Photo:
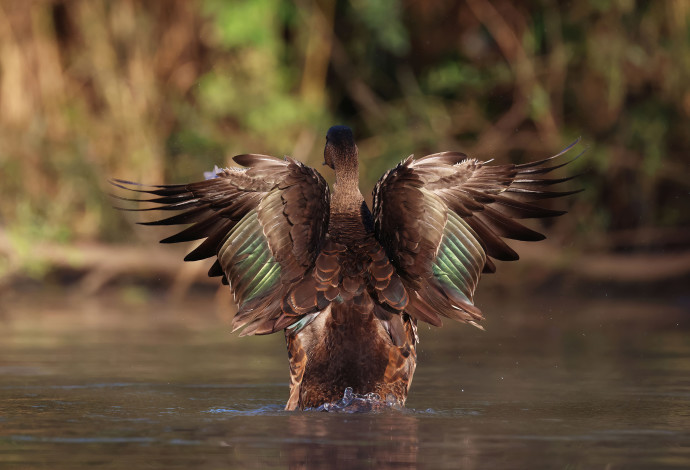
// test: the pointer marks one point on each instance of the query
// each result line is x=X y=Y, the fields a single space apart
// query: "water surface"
x=554 y=383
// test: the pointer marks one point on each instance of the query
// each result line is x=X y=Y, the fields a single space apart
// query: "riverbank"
x=88 y=269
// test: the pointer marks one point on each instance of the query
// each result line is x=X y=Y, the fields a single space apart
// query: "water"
x=554 y=383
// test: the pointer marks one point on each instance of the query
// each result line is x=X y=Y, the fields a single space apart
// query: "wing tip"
x=538 y=163
x=476 y=325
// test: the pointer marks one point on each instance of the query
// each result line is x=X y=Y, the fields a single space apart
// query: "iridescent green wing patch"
x=460 y=259
x=247 y=261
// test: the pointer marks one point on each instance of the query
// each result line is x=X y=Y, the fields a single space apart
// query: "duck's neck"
x=347 y=198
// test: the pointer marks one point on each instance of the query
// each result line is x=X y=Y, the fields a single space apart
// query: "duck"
x=346 y=285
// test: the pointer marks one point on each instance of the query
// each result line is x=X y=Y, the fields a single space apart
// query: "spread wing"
x=443 y=217
x=264 y=224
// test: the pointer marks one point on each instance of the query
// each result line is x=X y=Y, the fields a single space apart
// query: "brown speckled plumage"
x=347 y=286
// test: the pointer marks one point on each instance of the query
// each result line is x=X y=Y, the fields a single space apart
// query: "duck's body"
x=348 y=347
x=350 y=344
x=348 y=286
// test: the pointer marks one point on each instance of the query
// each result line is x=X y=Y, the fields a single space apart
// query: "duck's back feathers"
x=443 y=217
x=265 y=225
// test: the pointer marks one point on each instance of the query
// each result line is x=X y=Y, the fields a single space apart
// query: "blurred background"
x=113 y=349
x=160 y=92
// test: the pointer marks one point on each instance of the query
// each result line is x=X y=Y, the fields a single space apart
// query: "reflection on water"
x=554 y=383
x=386 y=440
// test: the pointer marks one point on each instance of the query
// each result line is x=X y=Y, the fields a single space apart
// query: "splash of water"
x=354 y=403
x=209 y=175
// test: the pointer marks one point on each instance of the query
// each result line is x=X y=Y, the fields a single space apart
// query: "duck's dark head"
x=340 y=152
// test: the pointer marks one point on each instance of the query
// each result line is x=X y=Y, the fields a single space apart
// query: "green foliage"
x=252 y=83
x=452 y=77
x=245 y=22
x=384 y=23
